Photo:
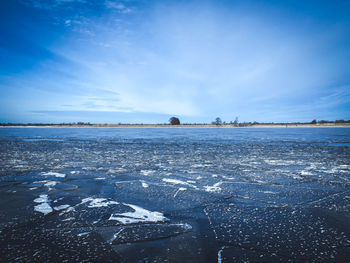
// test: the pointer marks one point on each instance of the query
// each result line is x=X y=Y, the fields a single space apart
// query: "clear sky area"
x=106 y=61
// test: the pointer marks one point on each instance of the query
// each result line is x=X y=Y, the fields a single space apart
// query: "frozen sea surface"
x=175 y=195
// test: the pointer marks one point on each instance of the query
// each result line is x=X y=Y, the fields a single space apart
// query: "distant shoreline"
x=290 y=125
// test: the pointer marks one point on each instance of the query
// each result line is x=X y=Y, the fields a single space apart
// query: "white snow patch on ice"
x=50 y=183
x=98 y=202
x=305 y=173
x=279 y=162
x=147 y=172
x=44 y=208
x=144 y=184
x=214 y=188
x=198 y=165
x=138 y=215
x=175 y=182
x=41 y=199
x=55 y=174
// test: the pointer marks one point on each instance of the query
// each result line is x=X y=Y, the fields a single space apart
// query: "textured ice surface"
x=296 y=233
x=178 y=195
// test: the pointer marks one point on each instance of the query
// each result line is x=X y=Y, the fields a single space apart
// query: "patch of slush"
x=98 y=202
x=214 y=188
x=61 y=207
x=116 y=170
x=147 y=172
x=191 y=182
x=279 y=162
x=60 y=175
x=175 y=182
x=50 y=184
x=305 y=172
x=144 y=184
x=139 y=215
x=69 y=219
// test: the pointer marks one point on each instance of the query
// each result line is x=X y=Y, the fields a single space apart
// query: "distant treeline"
x=218 y=122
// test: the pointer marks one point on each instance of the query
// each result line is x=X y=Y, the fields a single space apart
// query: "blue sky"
x=144 y=61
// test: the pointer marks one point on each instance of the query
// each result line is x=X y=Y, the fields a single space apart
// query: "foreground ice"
x=236 y=195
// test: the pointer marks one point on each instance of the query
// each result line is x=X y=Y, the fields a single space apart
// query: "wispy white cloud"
x=223 y=60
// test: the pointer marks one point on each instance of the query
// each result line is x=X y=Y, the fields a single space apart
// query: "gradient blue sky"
x=144 y=61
